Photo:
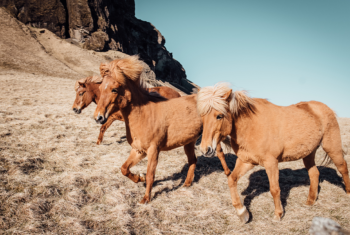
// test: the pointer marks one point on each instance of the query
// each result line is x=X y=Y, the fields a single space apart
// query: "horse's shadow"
x=288 y=179
x=205 y=166
x=258 y=180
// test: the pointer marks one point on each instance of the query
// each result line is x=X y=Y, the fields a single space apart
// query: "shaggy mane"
x=212 y=98
x=130 y=68
x=91 y=79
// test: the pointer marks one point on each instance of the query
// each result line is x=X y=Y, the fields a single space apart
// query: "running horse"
x=153 y=123
x=265 y=134
x=87 y=91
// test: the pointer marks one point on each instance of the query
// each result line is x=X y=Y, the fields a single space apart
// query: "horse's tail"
x=345 y=151
x=326 y=160
x=226 y=145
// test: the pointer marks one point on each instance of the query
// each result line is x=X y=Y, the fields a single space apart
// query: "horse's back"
x=288 y=132
x=304 y=126
x=166 y=92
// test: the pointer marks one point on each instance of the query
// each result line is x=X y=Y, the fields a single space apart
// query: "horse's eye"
x=114 y=91
x=220 y=116
x=81 y=94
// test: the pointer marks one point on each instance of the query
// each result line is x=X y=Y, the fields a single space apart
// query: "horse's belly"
x=176 y=141
x=298 y=151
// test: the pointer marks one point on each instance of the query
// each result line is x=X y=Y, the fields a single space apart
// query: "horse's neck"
x=135 y=110
x=96 y=91
x=240 y=125
x=245 y=122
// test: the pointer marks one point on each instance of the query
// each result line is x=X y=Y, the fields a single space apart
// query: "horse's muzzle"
x=77 y=111
x=100 y=119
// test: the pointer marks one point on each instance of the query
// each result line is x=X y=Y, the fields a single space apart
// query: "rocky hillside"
x=102 y=26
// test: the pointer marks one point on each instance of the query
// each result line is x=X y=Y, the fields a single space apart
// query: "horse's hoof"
x=243 y=215
x=310 y=202
x=277 y=218
x=186 y=185
x=144 y=201
x=98 y=142
x=142 y=178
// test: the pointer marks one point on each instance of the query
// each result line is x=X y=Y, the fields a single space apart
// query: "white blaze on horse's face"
x=215 y=127
x=106 y=86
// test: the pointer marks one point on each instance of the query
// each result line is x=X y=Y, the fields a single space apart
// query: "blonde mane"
x=212 y=98
x=130 y=68
x=91 y=79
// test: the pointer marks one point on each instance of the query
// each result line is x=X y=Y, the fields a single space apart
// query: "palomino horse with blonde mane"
x=265 y=134
x=87 y=91
x=153 y=124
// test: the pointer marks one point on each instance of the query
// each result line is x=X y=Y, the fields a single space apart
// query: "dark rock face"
x=50 y=14
x=103 y=25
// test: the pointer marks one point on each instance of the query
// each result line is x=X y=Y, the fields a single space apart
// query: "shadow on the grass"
x=205 y=166
x=258 y=180
x=288 y=179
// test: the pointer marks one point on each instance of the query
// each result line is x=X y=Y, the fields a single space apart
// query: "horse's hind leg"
x=222 y=159
x=332 y=145
x=134 y=158
x=192 y=161
x=314 y=174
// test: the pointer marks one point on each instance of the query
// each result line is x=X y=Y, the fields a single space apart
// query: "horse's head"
x=85 y=93
x=218 y=107
x=118 y=79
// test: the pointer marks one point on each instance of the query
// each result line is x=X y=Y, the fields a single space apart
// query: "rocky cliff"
x=103 y=25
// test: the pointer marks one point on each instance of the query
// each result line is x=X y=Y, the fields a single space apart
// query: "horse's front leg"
x=134 y=158
x=272 y=172
x=110 y=120
x=222 y=159
x=192 y=161
x=103 y=129
x=152 y=155
x=241 y=169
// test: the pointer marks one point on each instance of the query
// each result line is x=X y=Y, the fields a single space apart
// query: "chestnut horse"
x=153 y=124
x=87 y=91
x=265 y=134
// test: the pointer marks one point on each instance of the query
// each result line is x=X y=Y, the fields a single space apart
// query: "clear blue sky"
x=285 y=51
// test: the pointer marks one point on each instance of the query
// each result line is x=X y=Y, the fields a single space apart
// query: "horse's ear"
x=227 y=95
x=97 y=79
x=82 y=84
x=104 y=70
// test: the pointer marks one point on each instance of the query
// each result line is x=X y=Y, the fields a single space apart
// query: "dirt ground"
x=54 y=179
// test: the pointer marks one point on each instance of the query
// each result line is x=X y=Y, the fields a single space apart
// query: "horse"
x=265 y=134
x=153 y=123
x=87 y=91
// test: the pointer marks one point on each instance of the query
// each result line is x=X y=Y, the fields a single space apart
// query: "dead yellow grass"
x=55 y=179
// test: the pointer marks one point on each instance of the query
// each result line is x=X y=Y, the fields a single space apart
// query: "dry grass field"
x=54 y=179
